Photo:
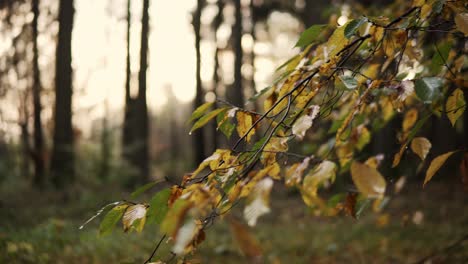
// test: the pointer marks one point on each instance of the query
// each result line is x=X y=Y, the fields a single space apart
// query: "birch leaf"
x=304 y=122
x=421 y=146
x=323 y=173
x=455 y=106
x=368 y=180
x=244 y=123
x=436 y=164
x=258 y=201
x=134 y=214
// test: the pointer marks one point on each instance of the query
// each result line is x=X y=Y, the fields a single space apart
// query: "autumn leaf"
x=185 y=236
x=324 y=173
x=200 y=111
x=337 y=40
x=428 y=88
x=461 y=20
x=205 y=119
x=135 y=216
x=295 y=172
x=435 y=165
x=244 y=124
x=350 y=204
x=310 y=35
x=368 y=180
x=421 y=146
x=247 y=243
x=410 y=119
x=455 y=106
x=258 y=201
x=304 y=122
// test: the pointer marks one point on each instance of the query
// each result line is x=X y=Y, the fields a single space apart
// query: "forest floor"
x=35 y=228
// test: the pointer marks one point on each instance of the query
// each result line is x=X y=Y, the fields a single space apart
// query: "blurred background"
x=94 y=101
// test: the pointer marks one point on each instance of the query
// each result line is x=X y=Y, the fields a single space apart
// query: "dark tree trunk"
x=62 y=164
x=38 y=154
x=312 y=12
x=235 y=94
x=198 y=137
x=106 y=146
x=127 y=137
x=142 y=126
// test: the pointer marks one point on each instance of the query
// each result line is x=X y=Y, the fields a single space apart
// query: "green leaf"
x=224 y=124
x=111 y=219
x=200 y=111
x=143 y=189
x=353 y=26
x=310 y=35
x=440 y=57
x=206 y=118
x=349 y=82
x=428 y=88
x=158 y=206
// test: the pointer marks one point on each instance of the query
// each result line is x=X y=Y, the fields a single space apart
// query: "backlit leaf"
x=244 y=124
x=368 y=180
x=324 y=173
x=310 y=35
x=455 y=106
x=421 y=146
x=111 y=219
x=304 y=122
x=440 y=57
x=175 y=217
x=185 y=236
x=428 y=88
x=135 y=215
x=436 y=164
x=258 y=201
x=200 y=111
x=337 y=41
x=206 y=118
x=353 y=26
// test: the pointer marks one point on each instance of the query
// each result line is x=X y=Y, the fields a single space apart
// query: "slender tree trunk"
x=236 y=94
x=39 y=152
x=127 y=138
x=62 y=164
x=142 y=126
x=198 y=135
x=106 y=146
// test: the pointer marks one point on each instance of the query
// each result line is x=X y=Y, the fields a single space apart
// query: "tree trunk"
x=38 y=155
x=142 y=126
x=62 y=164
x=198 y=136
x=235 y=94
x=127 y=137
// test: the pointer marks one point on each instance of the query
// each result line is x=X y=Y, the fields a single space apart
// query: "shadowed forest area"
x=233 y=131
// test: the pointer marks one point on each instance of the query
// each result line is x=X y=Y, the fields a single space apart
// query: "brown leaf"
x=461 y=20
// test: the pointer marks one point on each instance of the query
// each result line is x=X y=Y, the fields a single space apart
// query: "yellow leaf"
x=295 y=172
x=337 y=41
x=461 y=20
x=324 y=173
x=247 y=243
x=133 y=214
x=374 y=161
x=410 y=119
x=435 y=166
x=455 y=106
x=244 y=123
x=368 y=180
x=397 y=157
x=421 y=146
x=185 y=235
